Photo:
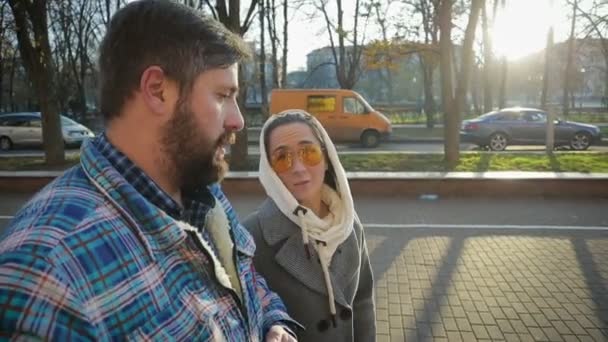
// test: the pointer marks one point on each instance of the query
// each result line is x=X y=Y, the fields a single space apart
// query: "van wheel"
x=370 y=139
x=5 y=144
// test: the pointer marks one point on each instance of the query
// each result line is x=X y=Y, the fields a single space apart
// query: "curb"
x=398 y=184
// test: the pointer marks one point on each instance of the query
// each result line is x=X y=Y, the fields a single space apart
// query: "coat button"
x=323 y=325
x=346 y=314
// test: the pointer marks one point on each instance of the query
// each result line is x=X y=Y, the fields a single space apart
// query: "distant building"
x=587 y=81
x=374 y=83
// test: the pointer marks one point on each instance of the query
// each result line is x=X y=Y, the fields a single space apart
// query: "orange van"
x=346 y=116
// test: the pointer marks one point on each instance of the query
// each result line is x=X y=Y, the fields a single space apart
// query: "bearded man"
x=138 y=242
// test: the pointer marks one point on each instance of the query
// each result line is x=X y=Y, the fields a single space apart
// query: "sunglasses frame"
x=299 y=152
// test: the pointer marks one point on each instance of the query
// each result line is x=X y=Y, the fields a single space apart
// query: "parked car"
x=525 y=126
x=25 y=129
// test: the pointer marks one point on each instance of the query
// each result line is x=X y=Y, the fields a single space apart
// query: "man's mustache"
x=227 y=138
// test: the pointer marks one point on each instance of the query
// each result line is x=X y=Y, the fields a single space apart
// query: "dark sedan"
x=525 y=126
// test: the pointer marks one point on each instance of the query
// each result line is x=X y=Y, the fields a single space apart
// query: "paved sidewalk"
x=482 y=285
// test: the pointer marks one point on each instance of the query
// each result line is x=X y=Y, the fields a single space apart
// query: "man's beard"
x=190 y=154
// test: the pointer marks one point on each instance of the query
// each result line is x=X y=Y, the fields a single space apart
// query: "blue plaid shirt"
x=92 y=257
x=195 y=209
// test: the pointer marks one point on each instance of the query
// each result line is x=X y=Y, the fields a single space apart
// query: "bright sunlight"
x=521 y=27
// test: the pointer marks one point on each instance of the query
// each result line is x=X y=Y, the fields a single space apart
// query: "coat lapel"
x=286 y=239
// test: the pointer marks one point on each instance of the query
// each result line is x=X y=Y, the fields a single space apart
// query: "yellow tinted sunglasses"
x=282 y=160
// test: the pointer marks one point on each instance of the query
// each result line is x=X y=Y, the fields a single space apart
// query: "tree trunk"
x=272 y=30
x=453 y=123
x=487 y=62
x=11 y=83
x=3 y=58
x=447 y=97
x=239 y=151
x=262 y=64
x=606 y=82
x=38 y=63
x=502 y=95
x=108 y=13
x=445 y=44
x=231 y=18
x=429 y=100
x=388 y=60
x=548 y=50
x=2 y=66
x=347 y=69
x=568 y=71
x=285 y=36
x=475 y=90
x=341 y=49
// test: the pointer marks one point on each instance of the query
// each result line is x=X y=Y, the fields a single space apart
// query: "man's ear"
x=157 y=90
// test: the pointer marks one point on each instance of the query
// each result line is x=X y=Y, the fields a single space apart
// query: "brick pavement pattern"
x=489 y=285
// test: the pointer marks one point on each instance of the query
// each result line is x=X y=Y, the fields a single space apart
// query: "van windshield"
x=367 y=106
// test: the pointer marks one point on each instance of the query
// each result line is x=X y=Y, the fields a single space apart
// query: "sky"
x=520 y=29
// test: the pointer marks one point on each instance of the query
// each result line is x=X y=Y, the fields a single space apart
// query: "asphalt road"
x=395 y=212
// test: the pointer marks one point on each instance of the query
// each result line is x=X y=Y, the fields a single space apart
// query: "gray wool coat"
x=280 y=258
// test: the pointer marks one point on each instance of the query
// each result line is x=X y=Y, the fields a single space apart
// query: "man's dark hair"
x=178 y=39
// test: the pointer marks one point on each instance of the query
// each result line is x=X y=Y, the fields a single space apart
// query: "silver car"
x=25 y=129
x=525 y=126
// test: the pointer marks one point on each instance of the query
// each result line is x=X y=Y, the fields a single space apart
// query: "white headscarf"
x=326 y=233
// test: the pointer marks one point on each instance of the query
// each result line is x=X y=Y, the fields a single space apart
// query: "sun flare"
x=521 y=27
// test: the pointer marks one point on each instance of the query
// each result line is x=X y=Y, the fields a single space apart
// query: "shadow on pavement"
x=544 y=258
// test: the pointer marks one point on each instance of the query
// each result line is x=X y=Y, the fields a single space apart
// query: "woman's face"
x=295 y=145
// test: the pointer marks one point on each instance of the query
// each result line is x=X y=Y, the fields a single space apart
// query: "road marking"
x=457 y=226
x=480 y=226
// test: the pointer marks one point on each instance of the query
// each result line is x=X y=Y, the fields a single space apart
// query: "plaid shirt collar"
x=197 y=205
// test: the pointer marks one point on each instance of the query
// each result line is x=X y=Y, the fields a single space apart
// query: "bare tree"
x=285 y=45
x=262 y=59
x=429 y=11
x=568 y=70
x=381 y=14
x=271 y=21
x=487 y=58
x=32 y=35
x=548 y=51
x=3 y=48
x=454 y=105
x=75 y=28
x=107 y=8
x=598 y=24
x=346 y=59
x=445 y=44
x=228 y=12
x=9 y=59
x=502 y=90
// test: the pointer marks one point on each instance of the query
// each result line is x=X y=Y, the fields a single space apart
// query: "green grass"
x=34 y=164
x=480 y=162
x=470 y=161
x=558 y=162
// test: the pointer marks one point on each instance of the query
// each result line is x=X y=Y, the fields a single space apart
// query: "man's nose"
x=234 y=120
